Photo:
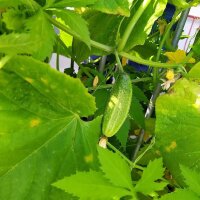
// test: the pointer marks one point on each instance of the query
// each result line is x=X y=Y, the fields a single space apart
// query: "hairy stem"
x=110 y=49
x=121 y=154
x=106 y=86
x=119 y=64
x=148 y=62
x=166 y=34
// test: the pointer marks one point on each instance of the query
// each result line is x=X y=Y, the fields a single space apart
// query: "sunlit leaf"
x=178 y=127
x=43 y=138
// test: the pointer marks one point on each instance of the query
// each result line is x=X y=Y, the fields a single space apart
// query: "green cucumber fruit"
x=118 y=105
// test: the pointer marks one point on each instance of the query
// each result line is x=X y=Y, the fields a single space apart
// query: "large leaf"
x=42 y=32
x=6 y=3
x=191 y=178
x=103 y=28
x=115 y=168
x=14 y=19
x=179 y=3
x=113 y=183
x=90 y=185
x=152 y=173
x=120 y=7
x=145 y=22
x=101 y=98
x=180 y=194
x=70 y=3
x=76 y=23
x=178 y=127
x=15 y=43
x=13 y=3
x=136 y=112
x=42 y=137
x=122 y=134
x=194 y=73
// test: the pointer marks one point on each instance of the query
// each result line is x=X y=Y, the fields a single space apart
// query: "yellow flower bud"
x=170 y=74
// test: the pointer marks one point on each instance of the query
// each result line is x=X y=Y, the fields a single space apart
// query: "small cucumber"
x=118 y=105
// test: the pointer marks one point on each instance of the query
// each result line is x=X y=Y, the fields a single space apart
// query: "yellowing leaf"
x=95 y=81
x=178 y=56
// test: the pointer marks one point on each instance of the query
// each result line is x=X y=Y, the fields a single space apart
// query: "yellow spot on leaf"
x=158 y=152
x=34 y=122
x=178 y=56
x=30 y=80
x=45 y=81
x=89 y=158
x=171 y=147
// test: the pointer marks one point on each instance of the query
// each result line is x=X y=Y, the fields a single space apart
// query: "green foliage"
x=70 y=3
x=90 y=185
x=120 y=7
x=116 y=170
x=122 y=134
x=144 y=23
x=14 y=19
x=136 y=112
x=114 y=183
x=101 y=97
x=139 y=94
x=5 y=3
x=42 y=136
x=192 y=180
x=50 y=124
x=152 y=173
x=103 y=28
x=43 y=33
x=180 y=194
x=76 y=24
x=178 y=126
x=194 y=72
x=114 y=179
x=179 y=3
x=15 y=43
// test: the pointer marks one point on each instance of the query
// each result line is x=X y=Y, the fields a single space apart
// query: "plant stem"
x=148 y=114
x=121 y=154
x=57 y=59
x=132 y=24
x=167 y=31
x=102 y=63
x=69 y=31
x=148 y=62
x=111 y=85
x=103 y=47
x=57 y=62
x=119 y=64
x=110 y=49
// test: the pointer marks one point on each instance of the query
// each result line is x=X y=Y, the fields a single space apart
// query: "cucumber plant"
x=51 y=122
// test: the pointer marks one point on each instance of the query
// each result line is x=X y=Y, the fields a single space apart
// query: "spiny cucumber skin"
x=118 y=105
